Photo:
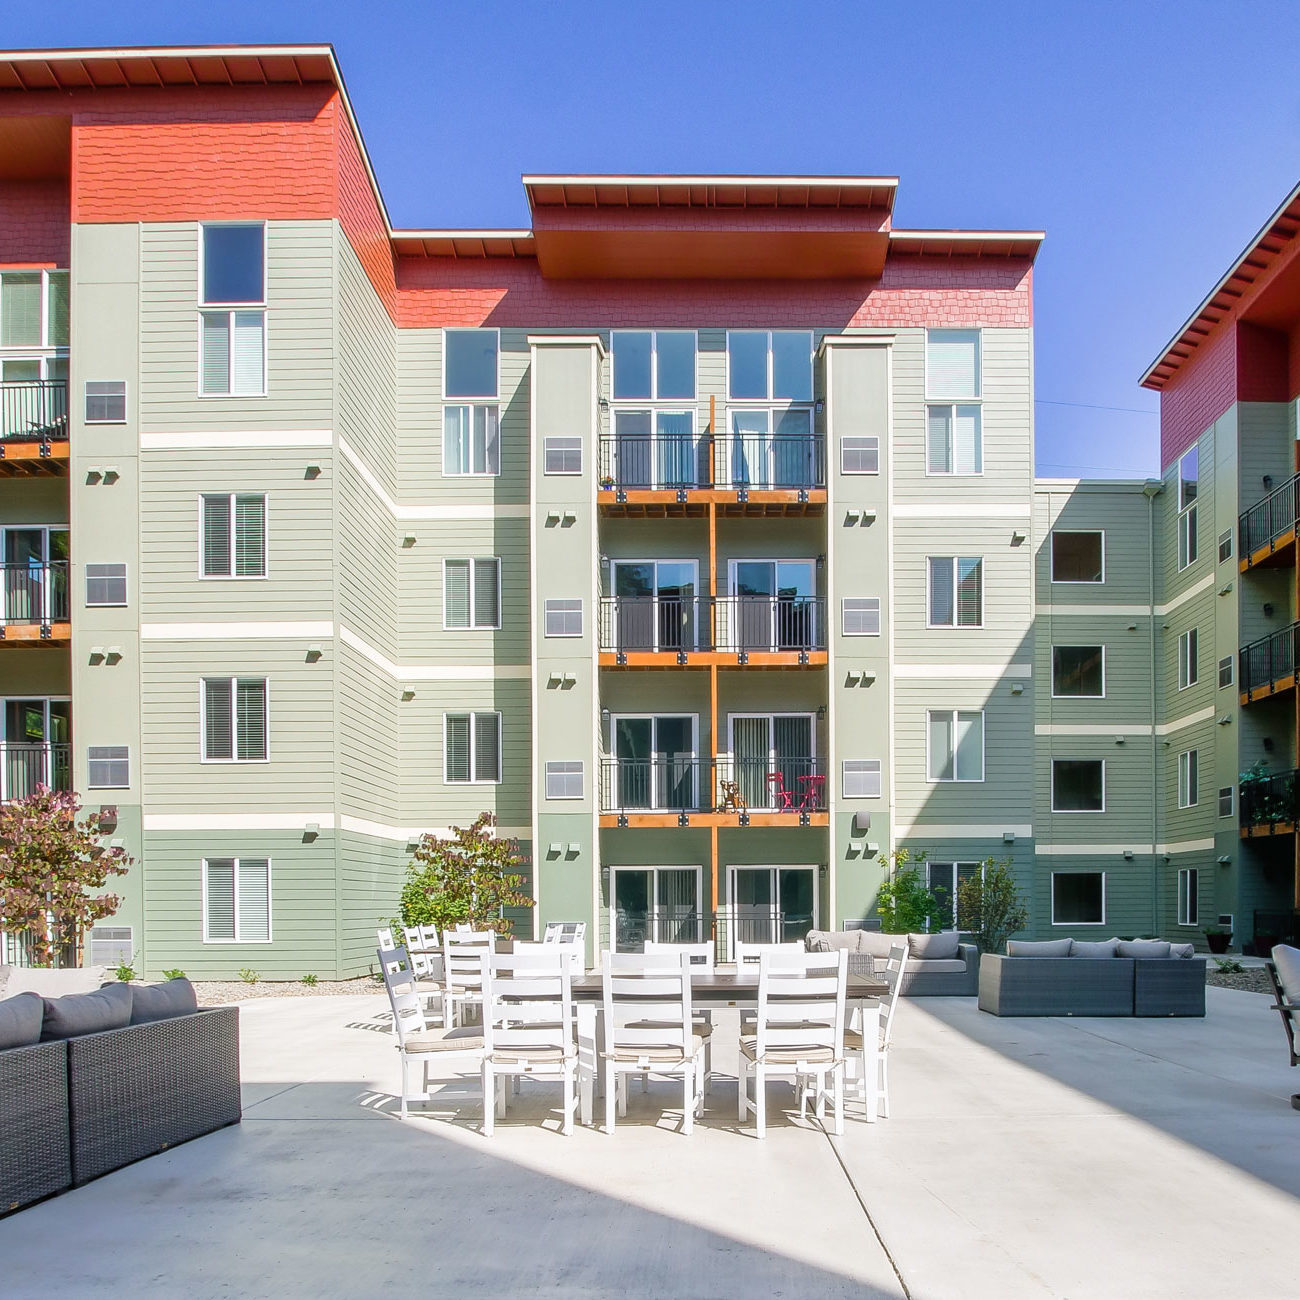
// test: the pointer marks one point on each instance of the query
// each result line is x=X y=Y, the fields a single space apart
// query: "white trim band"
x=960 y=510
x=432 y=672
x=290 y=821
x=261 y=439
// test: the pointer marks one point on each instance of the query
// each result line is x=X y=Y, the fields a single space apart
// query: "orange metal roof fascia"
x=1199 y=324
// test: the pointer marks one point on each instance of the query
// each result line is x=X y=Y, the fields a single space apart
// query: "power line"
x=1088 y=406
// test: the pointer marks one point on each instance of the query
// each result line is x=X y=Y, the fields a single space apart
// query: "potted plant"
x=1217 y=938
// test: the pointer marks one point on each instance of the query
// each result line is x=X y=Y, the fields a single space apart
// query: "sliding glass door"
x=775 y=606
x=37 y=747
x=774 y=759
x=657 y=903
x=772 y=904
x=656 y=763
x=35 y=569
x=656 y=606
x=656 y=449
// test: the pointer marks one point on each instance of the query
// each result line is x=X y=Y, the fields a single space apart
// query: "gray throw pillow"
x=20 y=1020
x=1182 y=950
x=877 y=944
x=1144 y=948
x=1038 y=948
x=162 y=1001
x=933 y=947
x=1287 y=961
x=1103 y=948
x=87 y=1013
x=817 y=941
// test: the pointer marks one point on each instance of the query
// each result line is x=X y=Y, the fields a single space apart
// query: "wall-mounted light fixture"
x=313 y=471
x=1226 y=720
x=1132 y=627
x=113 y=654
x=1128 y=855
x=1267 y=742
x=821 y=561
x=408 y=541
x=1119 y=740
x=1268 y=480
x=1224 y=861
x=408 y=692
x=868 y=516
x=821 y=712
x=1225 y=589
x=1017 y=537
x=314 y=652
x=311 y=830
x=1017 y=688
x=851 y=517
x=1008 y=837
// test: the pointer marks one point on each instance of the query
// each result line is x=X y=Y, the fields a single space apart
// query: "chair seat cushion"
x=20 y=1020
x=937 y=966
x=663 y=1053
x=464 y=1039
x=522 y=1053
x=784 y=1055
x=1287 y=961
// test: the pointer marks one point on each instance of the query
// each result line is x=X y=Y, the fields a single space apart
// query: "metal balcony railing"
x=789 y=461
x=34 y=594
x=34 y=411
x=1269 y=800
x=633 y=926
x=762 y=923
x=680 y=785
x=688 y=784
x=1268 y=519
x=776 y=783
x=25 y=765
x=688 y=624
x=1269 y=659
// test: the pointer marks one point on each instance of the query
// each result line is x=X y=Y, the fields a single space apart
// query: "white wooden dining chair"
x=429 y=987
x=798 y=1032
x=855 y=1044
x=528 y=1027
x=462 y=984
x=431 y=1050
x=748 y=953
x=648 y=1028
x=702 y=962
x=565 y=932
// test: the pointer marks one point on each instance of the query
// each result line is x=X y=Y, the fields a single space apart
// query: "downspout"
x=1151 y=489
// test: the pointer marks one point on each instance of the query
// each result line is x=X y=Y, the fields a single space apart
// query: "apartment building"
x=692 y=531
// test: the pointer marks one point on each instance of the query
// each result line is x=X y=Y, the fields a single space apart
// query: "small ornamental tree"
x=466 y=879
x=905 y=904
x=53 y=869
x=989 y=905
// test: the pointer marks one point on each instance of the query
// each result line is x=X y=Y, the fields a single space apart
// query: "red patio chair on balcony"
x=779 y=797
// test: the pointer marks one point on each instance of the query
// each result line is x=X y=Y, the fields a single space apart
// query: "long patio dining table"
x=724 y=988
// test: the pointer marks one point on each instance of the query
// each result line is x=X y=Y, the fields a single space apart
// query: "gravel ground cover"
x=1254 y=979
x=215 y=993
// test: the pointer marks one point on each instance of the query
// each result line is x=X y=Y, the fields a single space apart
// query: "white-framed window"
x=235 y=720
x=860 y=615
x=561 y=455
x=564 y=780
x=1078 y=785
x=105 y=585
x=1226 y=800
x=34 y=309
x=471 y=748
x=953 y=438
x=471 y=593
x=1188 y=668
x=471 y=435
x=1188 y=485
x=1078 y=556
x=108 y=767
x=105 y=401
x=1188 y=782
x=956 y=591
x=232 y=535
x=1225 y=671
x=236 y=900
x=232 y=309
x=563 y=617
x=652 y=365
x=861 y=778
x=1079 y=671
x=769 y=365
x=1225 y=546
x=1189 y=903
x=860 y=454
x=955 y=744
x=1078 y=898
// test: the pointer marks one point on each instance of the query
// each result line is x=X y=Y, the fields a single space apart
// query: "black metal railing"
x=679 y=785
x=774 y=784
x=1269 y=659
x=25 y=765
x=23 y=948
x=1269 y=800
x=766 y=923
x=1268 y=519
x=686 y=624
x=688 y=784
x=632 y=927
x=737 y=461
x=34 y=411
x=34 y=594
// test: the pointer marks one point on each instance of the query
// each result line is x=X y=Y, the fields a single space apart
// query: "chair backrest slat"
x=895 y=966
x=527 y=999
x=403 y=994
x=751 y=952
x=801 y=1001
x=647 y=1000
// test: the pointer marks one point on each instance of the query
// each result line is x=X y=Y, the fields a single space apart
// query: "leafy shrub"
x=174 y=974
x=125 y=972
x=989 y=905
x=310 y=981
x=905 y=904
x=248 y=975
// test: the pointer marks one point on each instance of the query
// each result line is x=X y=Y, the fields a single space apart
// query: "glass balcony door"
x=35 y=571
x=772 y=449
x=775 y=604
x=773 y=757
x=656 y=762
x=661 y=904
x=772 y=904
x=37 y=746
x=656 y=605
x=33 y=397
x=656 y=449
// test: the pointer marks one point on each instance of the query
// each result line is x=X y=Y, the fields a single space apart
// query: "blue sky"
x=1150 y=140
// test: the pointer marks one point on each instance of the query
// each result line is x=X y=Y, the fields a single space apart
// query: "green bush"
x=989 y=905
x=174 y=974
x=310 y=981
x=248 y=975
x=125 y=972
x=905 y=904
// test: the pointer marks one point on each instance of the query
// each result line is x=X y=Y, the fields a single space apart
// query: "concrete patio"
x=1073 y=1158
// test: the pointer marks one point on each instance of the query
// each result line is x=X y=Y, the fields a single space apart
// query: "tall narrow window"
x=1188 y=762
x=236 y=900
x=956 y=744
x=1189 y=903
x=1188 y=486
x=471 y=441
x=232 y=319
x=954 y=441
x=1188 y=669
x=1225 y=671
x=956 y=591
x=234 y=722
x=472 y=747
x=471 y=593
x=233 y=541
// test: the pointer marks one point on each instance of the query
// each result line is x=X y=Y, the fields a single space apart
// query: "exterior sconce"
x=97 y=654
x=819 y=406
x=572 y=850
x=1128 y=855
x=313 y=471
x=1119 y=740
x=1226 y=720
x=1268 y=610
x=408 y=692
x=1225 y=589
x=1132 y=627
x=412 y=843
x=1017 y=688
x=868 y=516
x=604 y=717
x=1268 y=744
x=1017 y=537
x=110 y=474
x=821 y=712
x=821 y=561
x=116 y=843
x=1268 y=480
x=314 y=652
x=408 y=541
x=113 y=654
x=1224 y=861
x=1008 y=837
x=851 y=517
x=311 y=830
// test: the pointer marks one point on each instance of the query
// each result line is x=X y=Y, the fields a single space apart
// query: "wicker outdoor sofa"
x=938 y=965
x=74 y=1108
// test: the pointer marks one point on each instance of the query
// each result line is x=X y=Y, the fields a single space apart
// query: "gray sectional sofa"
x=1065 y=977
x=938 y=965
x=92 y=1081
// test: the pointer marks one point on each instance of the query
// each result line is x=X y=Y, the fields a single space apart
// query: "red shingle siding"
x=1198 y=393
x=361 y=219
x=1261 y=364
x=34 y=225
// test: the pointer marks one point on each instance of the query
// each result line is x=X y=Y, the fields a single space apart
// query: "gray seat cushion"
x=86 y=1013
x=54 y=983
x=936 y=966
x=1287 y=961
x=20 y=1020
x=934 y=947
x=1039 y=948
x=1103 y=948
x=1144 y=948
x=162 y=1001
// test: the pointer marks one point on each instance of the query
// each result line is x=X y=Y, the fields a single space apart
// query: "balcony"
x=33 y=428
x=1268 y=805
x=1267 y=531
x=764 y=475
x=34 y=605
x=1267 y=666
x=24 y=765
x=697 y=631
x=688 y=791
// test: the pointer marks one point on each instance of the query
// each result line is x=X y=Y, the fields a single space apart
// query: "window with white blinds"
x=234 y=722
x=233 y=541
x=861 y=615
x=34 y=309
x=954 y=444
x=234 y=354
x=956 y=591
x=232 y=341
x=472 y=748
x=236 y=900
x=471 y=593
x=108 y=767
x=862 y=778
x=952 y=364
